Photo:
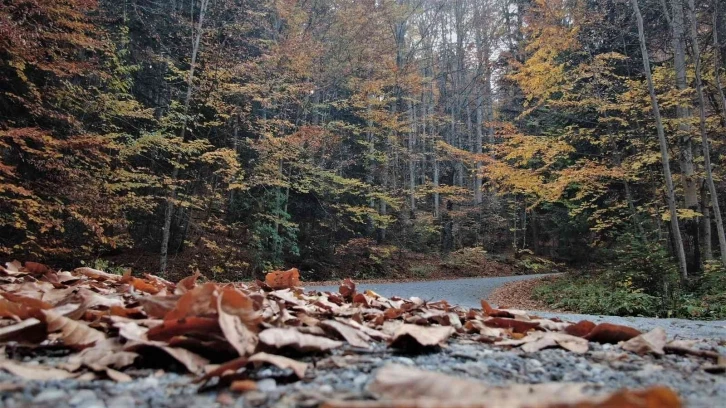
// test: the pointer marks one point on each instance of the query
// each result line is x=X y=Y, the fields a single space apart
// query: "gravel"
x=346 y=372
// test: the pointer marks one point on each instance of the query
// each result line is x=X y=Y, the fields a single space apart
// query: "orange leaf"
x=201 y=301
x=184 y=326
x=283 y=279
x=518 y=326
x=611 y=333
x=243 y=386
x=36 y=268
x=15 y=310
x=187 y=284
x=581 y=329
x=347 y=288
x=489 y=311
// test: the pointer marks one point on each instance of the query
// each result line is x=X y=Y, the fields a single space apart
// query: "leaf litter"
x=111 y=323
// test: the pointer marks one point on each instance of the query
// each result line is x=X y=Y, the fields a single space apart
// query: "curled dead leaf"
x=411 y=336
x=611 y=333
x=289 y=337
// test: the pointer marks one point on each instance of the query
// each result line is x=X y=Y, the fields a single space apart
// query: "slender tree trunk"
x=169 y=210
x=707 y=238
x=717 y=62
x=412 y=156
x=680 y=253
x=690 y=185
x=704 y=137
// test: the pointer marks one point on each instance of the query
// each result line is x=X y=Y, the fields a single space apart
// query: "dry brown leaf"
x=400 y=386
x=292 y=338
x=201 y=301
x=655 y=397
x=12 y=268
x=298 y=367
x=517 y=326
x=96 y=274
x=353 y=336
x=193 y=362
x=90 y=299
x=537 y=341
x=238 y=321
x=412 y=336
x=73 y=333
x=32 y=330
x=34 y=372
x=187 y=284
x=611 y=333
x=15 y=310
x=347 y=289
x=36 y=268
x=158 y=306
x=27 y=301
x=117 y=376
x=221 y=370
x=581 y=329
x=283 y=279
x=183 y=326
x=105 y=354
x=651 y=342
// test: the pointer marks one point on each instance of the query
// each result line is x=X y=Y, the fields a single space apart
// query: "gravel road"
x=469 y=292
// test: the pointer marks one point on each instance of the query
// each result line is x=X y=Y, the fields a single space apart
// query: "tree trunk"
x=680 y=253
x=704 y=137
x=169 y=210
x=690 y=186
x=706 y=225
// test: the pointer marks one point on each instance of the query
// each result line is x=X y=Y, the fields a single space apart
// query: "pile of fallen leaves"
x=222 y=333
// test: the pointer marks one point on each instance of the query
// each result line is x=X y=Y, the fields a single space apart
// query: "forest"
x=349 y=138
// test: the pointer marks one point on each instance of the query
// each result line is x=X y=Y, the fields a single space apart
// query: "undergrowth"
x=641 y=281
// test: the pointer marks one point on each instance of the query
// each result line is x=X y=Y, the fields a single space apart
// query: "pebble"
x=121 y=401
x=266 y=385
x=50 y=396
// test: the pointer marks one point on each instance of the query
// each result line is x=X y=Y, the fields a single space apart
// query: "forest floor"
x=470 y=361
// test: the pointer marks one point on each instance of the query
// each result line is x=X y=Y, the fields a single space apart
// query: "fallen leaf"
x=651 y=342
x=238 y=321
x=283 y=279
x=298 y=367
x=537 y=341
x=16 y=310
x=96 y=274
x=347 y=289
x=27 y=301
x=183 y=326
x=353 y=336
x=517 y=326
x=581 y=329
x=34 y=372
x=158 y=306
x=187 y=284
x=289 y=337
x=411 y=336
x=611 y=333
x=201 y=301
x=193 y=362
x=36 y=268
x=117 y=376
x=73 y=333
x=243 y=386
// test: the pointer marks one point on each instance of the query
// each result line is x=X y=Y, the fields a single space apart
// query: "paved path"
x=469 y=292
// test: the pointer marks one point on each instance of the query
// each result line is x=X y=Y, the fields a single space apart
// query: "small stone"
x=266 y=385
x=50 y=396
x=255 y=398
x=360 y=379
x=122 y=401
x=326 y=389
x=405 y=361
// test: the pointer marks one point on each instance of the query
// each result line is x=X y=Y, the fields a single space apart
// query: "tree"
x=675 y=229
